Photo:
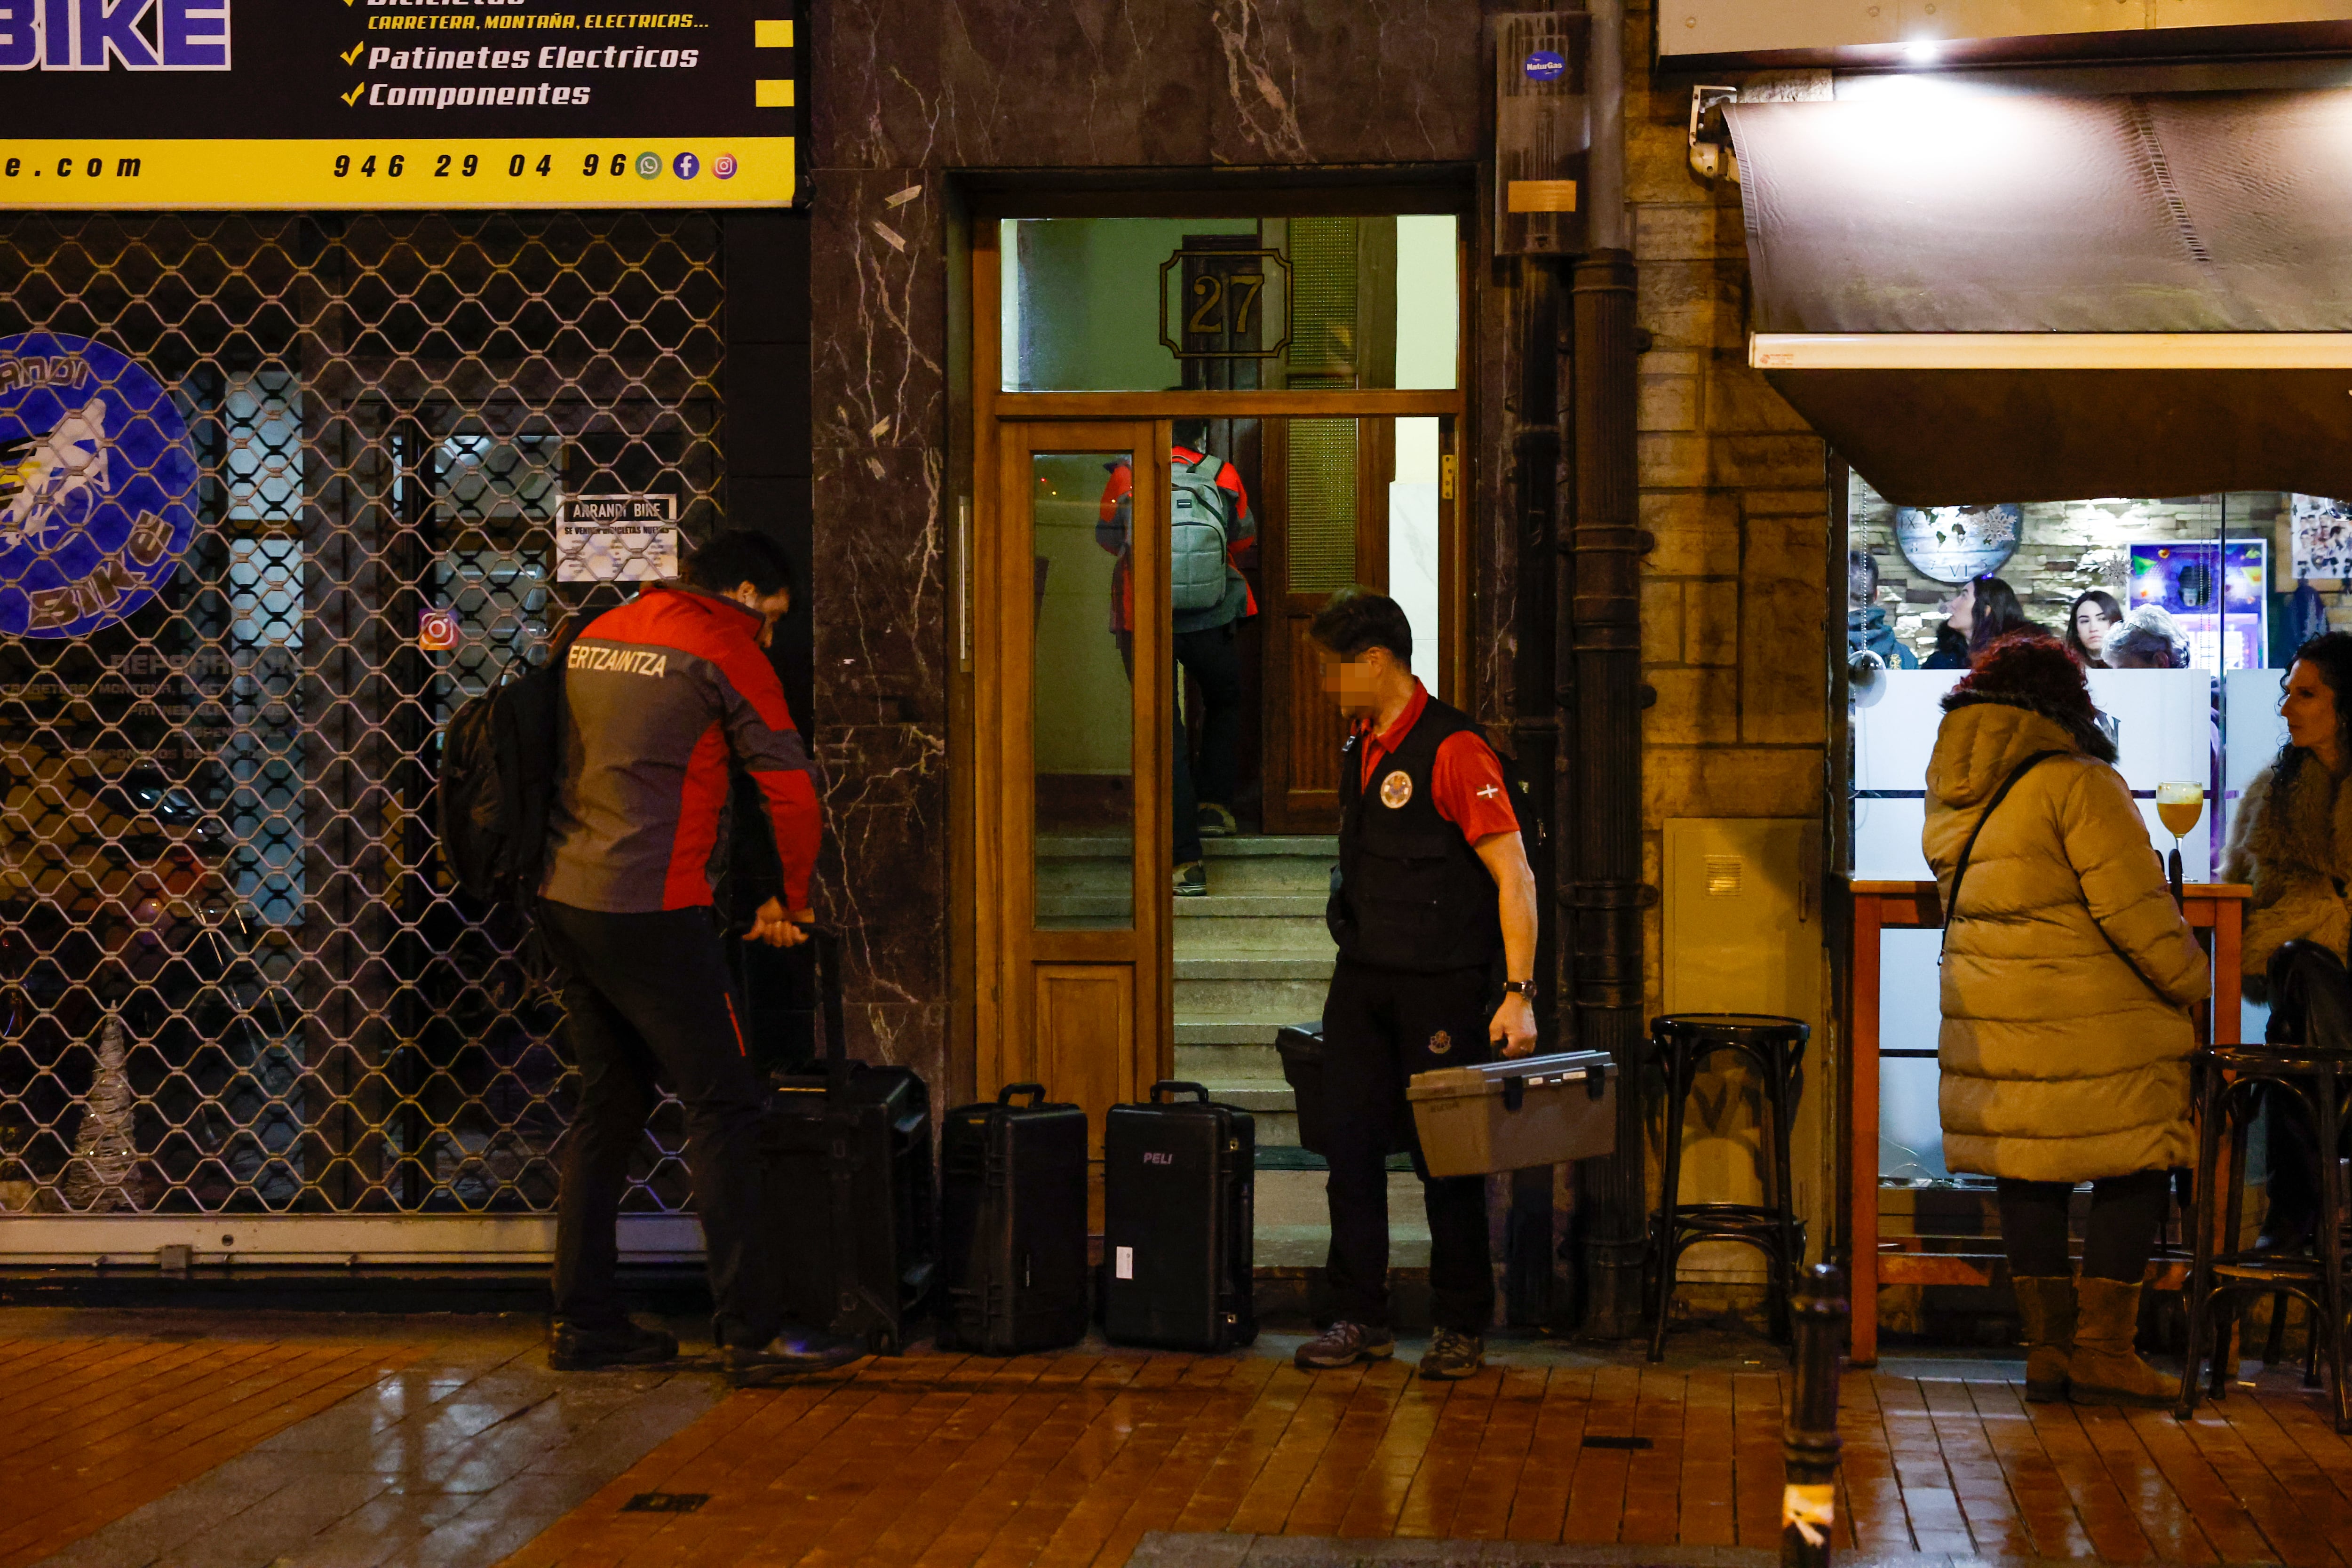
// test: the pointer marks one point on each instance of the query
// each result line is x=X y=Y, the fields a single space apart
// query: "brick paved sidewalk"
x=945 y=1462
x=225 y=1441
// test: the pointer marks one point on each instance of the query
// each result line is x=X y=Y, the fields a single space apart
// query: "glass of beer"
x=2180 y=806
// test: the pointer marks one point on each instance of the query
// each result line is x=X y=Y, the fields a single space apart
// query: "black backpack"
x=500 y=763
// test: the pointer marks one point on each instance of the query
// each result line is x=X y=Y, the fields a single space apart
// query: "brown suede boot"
x=2103 y=1368
x=2045 y=1306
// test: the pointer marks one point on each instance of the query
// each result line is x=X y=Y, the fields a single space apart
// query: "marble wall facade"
x=906 y=95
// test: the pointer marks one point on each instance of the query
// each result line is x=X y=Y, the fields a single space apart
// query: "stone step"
x=1224 y=1061
x=1271 y=1105
x=1295 y=876
x=1305 y=938
x=1251 y=966
x=1252 y=847
x=1270 y=1001
x=1208 y=1032
x=1272 y=847
x=1292 y=866
x=1252 y=1094
x=1253 y=907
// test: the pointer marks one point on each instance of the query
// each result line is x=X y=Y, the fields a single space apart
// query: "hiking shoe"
x=1191 y=880
x=582 y=1347
x=1344 y=1344
x=796 y=1350
x=1452 y=1354
x=1216 y=822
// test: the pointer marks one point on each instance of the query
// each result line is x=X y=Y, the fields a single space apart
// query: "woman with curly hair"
x=2292 y=842
x=2068 y=974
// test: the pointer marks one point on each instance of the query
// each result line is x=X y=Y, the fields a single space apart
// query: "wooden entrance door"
x=1075 y=711
x=1325 y=504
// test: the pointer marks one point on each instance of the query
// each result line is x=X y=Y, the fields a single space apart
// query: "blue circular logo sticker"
x=97 y=486
x=686 y=165
x=1544 y=65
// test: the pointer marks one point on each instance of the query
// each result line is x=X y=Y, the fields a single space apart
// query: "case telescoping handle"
x=1035 y=1091
x=1200 y=1091
x=827 y=942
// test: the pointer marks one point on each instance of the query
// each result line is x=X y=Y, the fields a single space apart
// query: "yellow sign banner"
x=375 y=172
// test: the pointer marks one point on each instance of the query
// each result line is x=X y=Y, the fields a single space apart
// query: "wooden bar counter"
x=2214 y=908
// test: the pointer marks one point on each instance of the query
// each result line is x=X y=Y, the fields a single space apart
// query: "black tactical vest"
x=1413 y=894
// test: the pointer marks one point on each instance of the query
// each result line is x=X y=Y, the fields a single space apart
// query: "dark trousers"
x=1213 y=659
x=1379 y=1027
x=2126 y=1214
x=649 y=1003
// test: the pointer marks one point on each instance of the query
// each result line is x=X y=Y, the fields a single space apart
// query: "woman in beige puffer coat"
x=2068 y=971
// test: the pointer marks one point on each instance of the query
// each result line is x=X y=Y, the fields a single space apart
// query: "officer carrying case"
x=1507 y=1115
x=1177 y=1217
x=850 y=1191
x=1012 y=1224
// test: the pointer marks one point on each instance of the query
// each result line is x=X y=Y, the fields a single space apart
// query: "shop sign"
x=616 y=539
x=97 y=486
x=396 y=104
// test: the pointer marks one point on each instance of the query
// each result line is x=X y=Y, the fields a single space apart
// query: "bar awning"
x=1989 y=297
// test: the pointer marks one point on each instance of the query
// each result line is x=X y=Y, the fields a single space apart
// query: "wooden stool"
x=2315 y=1082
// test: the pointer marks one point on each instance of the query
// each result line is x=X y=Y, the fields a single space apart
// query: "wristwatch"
x=1525 y=988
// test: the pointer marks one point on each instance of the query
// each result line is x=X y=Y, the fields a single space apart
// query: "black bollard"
x=1809 y=1438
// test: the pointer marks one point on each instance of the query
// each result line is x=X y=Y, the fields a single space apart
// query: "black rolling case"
x=1012 y=1224
x=850 y=1188
x=1177 y=1245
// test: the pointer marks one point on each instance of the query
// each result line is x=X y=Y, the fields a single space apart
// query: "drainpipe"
x=1601 y=658
x=1539 y=328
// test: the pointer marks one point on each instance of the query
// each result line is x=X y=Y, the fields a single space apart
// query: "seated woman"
x=2067 y=974
x=2292 y=842
x=2088 y=620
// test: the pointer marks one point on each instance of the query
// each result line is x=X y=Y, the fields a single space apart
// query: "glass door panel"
x=1074 y=704
x=1082 y=691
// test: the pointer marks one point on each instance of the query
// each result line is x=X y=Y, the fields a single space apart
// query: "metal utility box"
x=1510 y=1115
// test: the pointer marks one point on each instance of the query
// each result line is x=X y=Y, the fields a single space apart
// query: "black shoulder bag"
x=1952 y=904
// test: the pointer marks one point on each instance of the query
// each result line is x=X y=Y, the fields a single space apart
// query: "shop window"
x=227 y=964
x=1152 y=304
x=2223 y=578
x=494 y=503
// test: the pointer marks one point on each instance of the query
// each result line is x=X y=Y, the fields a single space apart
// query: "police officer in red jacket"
x=668 y=695
x=1434 y=898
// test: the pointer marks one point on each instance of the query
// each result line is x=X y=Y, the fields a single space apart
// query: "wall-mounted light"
x=1711 y=156
x=1923 y=52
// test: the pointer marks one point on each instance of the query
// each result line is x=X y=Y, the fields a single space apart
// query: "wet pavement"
x=215 y=1440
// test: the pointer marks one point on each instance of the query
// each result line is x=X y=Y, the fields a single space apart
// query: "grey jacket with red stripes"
x=664 y=693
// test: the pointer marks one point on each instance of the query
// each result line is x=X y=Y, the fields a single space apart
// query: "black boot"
x=582 y=1347
x=794 y=1350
